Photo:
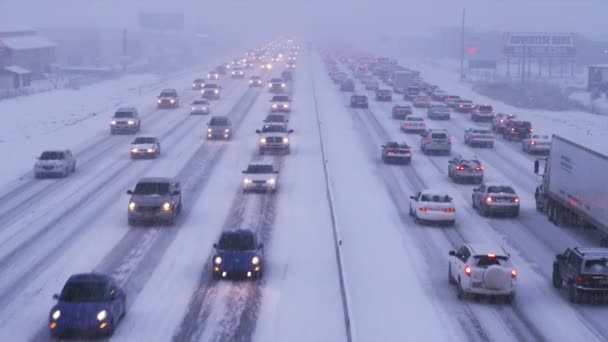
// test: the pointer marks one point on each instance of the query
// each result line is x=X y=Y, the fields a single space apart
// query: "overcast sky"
x=397 y=17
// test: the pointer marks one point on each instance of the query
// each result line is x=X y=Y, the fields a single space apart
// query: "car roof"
x=434 y=192
x=126 y=109
x=591 y=251
x=485 y=248
x=90 y=277
x=155 y=180
x=265 y=161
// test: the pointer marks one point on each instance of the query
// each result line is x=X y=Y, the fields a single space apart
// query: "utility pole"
x=462 y=47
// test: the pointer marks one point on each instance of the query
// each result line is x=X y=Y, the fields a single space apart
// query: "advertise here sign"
x=539 y=44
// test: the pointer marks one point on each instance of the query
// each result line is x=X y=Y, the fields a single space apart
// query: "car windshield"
x=210 y=86
x=465 y=102
x=274 y=129
x=120 y=115
x=436 y=198
x=276 y=80
x=275 y=118
x=236 y=242
x=260 y=169
x=167 y=94
x=280 y=99
x=219 y=122
x=489 y=260
x=200 y=102
x=156 y=188
x=596 y=266
x=255 y=78
x=52 y=155
x=84 y=292
x=144 y=140
x=439 y=136
x=414 y=119
x=485 y=108
x=495 y=189
x=481 y=131
x=472 y=163
x=199 y=80
x=540 y=137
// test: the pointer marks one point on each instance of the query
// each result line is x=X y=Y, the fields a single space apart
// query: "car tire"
x=473 y=202
x=132 y=222
x=515 y=213
x=510 y=298
x=491 y=145
x=451 y=279
x=66 y=172
x=556 y=279
x=574 y=295
x=483 y=211
x=411 y=211
x=459 y=291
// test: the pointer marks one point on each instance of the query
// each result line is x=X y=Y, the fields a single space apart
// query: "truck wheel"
x=556 y=279
x=459 y=291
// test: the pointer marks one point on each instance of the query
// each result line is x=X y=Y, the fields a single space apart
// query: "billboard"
x=161 y=20
x=539 y=45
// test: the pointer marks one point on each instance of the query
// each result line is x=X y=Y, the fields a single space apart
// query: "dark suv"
x=584 y=271
x=358 y=101
x=517 y=129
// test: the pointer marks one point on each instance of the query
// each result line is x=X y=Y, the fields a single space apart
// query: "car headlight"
x=286 y=105
x=133 y=150
x=159 y=101
x=255 y=260
x=247 y=181
x=132 y=206
x=217 y=260
x=208 y=75
x=282 y=85
x=172 y=101
x=271 y=181
x=217 y=91
x=113 y=122
x=103 y=314
x=151 y=150
x=274 y=106
x=250 y=81
x=227 y=130
x=209 y=130
x=194 y=84
x=285 y=140
x=56 y=314
x=263 y=140
x=167 y=206
x=193 y=108
x=131 y=122
x=269 y=85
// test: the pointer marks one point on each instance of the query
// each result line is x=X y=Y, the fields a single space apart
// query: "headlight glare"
x=285 y=140
x=218 y=260
x=255 y=260
x=56 y=314
x=166 y=206
x=103 y=314
x=132 y=206
x=113 y=122
x=263 y=140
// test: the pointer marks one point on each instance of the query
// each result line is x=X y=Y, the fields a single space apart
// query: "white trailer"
x=401 y=80
x=574 y=188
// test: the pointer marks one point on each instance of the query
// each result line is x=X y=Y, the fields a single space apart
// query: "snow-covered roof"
x=487 y=248
x=27 y=42
x=17 y=70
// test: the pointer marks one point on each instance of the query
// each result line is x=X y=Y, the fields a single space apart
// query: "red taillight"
x=390 y=153
x=468 y=270
x=512 y=129
x=513 y=273
x=531 y=129
x=474 y=137
x=488 y=199
x=479 y=168
x=579 y=280
x=449 y=210
x=449 y=141
x=516 y=200
x=422 y=124
x=408 y=124
x=502 y=121
x=460 y=167
x=428 y=141
x=532 y=142
x=424 y=209
x=407 y=153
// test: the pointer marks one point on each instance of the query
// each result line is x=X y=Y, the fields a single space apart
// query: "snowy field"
x=344 y=260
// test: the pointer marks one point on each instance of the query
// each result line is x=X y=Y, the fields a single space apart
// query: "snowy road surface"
x=344 y=260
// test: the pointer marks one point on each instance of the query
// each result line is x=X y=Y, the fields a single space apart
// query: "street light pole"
x=462 y=47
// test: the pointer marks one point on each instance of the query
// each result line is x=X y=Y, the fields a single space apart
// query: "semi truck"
x=574 y=187
x=401 y=80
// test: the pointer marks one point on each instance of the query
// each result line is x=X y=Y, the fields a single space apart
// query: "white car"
x=479 y=137
x=260 y=176
x=145 y=147
x=413 y=124
x=281 y=104
x=274 y=138
x=482 y=269
x=199 y=107
x=55 y=163
x=433 y=206
x=536 y=143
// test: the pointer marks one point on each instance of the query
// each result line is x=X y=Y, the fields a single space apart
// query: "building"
x=26 y=49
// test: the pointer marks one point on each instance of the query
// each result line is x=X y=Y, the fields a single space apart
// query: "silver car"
x=125 y=120
x=436 y=141
x=465 y=168
x=493 y=198
x=154 y=200
x=479 y=137
x=200 y=107
x=55 y=163
x=536 y=143
x=219 y=127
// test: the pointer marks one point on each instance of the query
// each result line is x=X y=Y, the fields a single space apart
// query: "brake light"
x=428 y=141
x=491 y=255
x=513 y=273
x=516 y=200
x=474 y=137
x=390 y=153
x=479 y=168
x=449 y=141
x=423 y=124
x=449 y=210
x=579 y=280
x=424 y=209
x=532 y=142
x=531 y=129
x=460 y=167
x=468 y=270
x=408 y=124
x=502 y=120
x=512 y=129
x=488 y=199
